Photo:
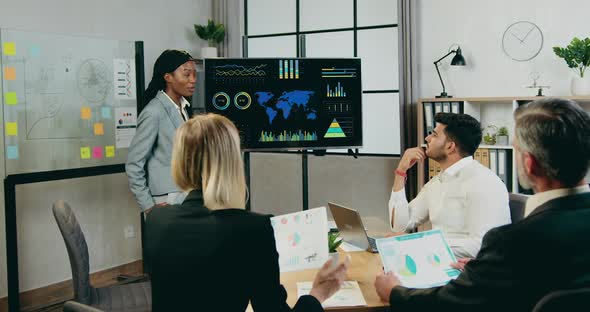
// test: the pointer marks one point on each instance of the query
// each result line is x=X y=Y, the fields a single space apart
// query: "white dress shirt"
x=540 y=198
x=183 y=103
x=464 y=202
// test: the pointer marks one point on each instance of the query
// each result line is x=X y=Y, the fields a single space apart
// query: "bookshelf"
x=497 y=111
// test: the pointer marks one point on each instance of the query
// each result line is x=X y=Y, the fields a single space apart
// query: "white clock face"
x=522 y=41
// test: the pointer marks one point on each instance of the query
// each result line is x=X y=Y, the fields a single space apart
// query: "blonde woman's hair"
x=207 y=156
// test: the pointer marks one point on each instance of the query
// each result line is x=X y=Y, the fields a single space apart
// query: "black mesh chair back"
x=77 y=250
x=134 y=297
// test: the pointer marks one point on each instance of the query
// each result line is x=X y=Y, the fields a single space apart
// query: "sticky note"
x=9 y=73
x=35 y=51
x=106 y=112
x=9 y=48
x=97 y=152
x=110 y=151
x=85 y=152
x=11 y=129
x=12 y=152
x=85 y=113
x=98 y=128
x=10 y=98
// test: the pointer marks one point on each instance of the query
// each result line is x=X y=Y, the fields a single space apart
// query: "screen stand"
x=304 y=180
x=354 y=153
x=319 y=152
x=247 y=176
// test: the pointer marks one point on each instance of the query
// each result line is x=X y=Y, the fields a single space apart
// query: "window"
x=339 y=28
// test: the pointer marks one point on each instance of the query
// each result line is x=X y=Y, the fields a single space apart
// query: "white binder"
x=428 y=117
x=494 y=161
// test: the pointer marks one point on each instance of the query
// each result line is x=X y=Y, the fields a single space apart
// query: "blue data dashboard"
x=282 y=104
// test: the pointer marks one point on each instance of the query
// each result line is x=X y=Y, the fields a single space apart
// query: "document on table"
x=301 y=239
x=419 y=260
x=349 y=295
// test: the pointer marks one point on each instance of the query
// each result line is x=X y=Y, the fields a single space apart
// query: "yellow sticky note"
x=10 y=98
x=98 y=128
x=110 y=151
x=11 y=129
x=86 y=113
x=9 y=48
x=9 y=73
x=85 y=152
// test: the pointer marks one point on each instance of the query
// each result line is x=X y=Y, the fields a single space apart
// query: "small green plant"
x=576 y=55
x=212 y=32
x=490 y=136
x=334 y=241
x=503 y=131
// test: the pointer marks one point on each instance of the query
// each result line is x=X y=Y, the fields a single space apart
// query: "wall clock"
x=522 y=41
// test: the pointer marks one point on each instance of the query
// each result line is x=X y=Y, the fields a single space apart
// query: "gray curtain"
x=221 y=15
x=408 y=93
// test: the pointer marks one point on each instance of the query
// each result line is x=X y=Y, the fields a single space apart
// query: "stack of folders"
x=498 y=160
x=433 y=108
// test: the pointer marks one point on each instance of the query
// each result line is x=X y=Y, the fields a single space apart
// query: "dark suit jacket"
x=517 y=265
x=203 y=260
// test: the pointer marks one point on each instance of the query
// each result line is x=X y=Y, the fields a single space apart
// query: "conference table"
x=363 y=268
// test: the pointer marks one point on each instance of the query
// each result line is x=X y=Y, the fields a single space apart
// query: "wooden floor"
x=51 y=298
x=58 y=306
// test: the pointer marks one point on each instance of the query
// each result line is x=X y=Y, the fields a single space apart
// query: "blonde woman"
x=208 y=253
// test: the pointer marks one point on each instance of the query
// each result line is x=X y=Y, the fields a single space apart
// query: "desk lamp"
x=458 y=60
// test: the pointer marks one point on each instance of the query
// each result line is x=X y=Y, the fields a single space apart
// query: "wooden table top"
x=363 y=268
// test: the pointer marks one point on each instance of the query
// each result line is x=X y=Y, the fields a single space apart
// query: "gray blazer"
x=150 y=153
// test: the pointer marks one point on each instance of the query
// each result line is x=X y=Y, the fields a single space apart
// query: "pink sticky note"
x=97 y=152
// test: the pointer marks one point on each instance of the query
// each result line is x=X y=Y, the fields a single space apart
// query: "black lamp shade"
x=458 y=59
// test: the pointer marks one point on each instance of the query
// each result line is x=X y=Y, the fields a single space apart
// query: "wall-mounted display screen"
x=297 y=103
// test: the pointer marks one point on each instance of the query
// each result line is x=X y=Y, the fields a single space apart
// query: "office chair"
x=135 y=297
x=73 y=306
x=564 y=300
x=517 y=203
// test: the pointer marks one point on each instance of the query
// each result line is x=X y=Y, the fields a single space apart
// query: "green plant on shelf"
x=576 y=55
x=212 y=32
x=502 y=136
x=489 y=137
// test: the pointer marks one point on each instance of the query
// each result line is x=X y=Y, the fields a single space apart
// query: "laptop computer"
x=350 y=226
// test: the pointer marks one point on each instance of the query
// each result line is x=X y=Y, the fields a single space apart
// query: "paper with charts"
x=302 y=239
x=419 y=260
x=349 y=295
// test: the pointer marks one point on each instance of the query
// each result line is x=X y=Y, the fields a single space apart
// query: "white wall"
x=478 y=27
x=103 y=205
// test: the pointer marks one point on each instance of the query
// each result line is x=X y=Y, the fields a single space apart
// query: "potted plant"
x=502 y=136
x=577 y=57
x=490 y=135
x=212 y=32
x=334 y=242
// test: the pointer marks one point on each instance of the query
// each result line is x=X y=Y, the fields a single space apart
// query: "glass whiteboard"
x=67 y=102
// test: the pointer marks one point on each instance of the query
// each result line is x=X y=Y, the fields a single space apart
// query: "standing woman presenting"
x=148 y=160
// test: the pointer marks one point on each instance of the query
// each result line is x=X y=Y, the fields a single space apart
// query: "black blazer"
x=517 y=265
x=203 y=260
